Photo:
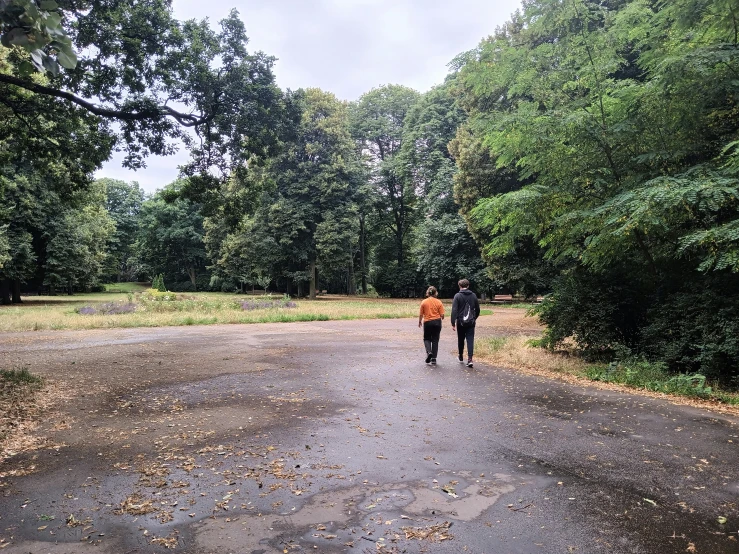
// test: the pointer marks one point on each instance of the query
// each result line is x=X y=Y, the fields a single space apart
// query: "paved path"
x=336 y=437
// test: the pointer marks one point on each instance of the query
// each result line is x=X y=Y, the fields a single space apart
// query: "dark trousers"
x=431 y=332
x=466 y=334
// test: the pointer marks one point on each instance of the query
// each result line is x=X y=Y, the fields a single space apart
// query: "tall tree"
x=619 y=119
x=76 y=240
x=377 y=123
x=170 y=238
x=307 y=208
x=443 y=248
x=123 y=203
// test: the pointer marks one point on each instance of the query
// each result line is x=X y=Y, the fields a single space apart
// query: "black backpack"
x=467 y=315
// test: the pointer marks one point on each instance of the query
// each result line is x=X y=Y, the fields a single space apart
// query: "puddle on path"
x=336 y=520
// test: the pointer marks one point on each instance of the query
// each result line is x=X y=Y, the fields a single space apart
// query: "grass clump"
x=490 y=345
x=21 y=377
x=267 y=303
x=653 y=376
x=154 y=295
x=518 y=352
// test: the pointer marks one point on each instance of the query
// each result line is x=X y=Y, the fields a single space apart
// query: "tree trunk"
x=361 y=254
x=5 y=292
x=352 y=286
x=191 y=273
x=312 y=289
x=16 y=286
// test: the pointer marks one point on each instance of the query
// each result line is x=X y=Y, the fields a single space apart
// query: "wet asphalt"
x=337 y=437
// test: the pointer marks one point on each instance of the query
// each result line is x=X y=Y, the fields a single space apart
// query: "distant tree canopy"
x=169 y=239
x=587 y=151
x=306 y=214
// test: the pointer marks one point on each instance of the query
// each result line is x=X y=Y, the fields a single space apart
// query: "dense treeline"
x=587 y=151
x=607 y=133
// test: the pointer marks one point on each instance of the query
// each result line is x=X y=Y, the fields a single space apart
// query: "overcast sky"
x=347 y=47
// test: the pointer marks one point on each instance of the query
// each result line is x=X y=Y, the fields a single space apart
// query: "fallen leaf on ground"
x=433 y=533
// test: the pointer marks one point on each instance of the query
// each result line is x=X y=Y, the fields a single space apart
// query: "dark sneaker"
x=428 y=358
x=433 y=361
x=469 y=363
x=461 y=360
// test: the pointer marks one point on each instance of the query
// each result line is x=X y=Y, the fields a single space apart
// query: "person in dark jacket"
x=465 y=311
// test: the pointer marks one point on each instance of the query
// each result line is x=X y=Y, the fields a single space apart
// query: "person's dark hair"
x=431 y=291
x=464 y=284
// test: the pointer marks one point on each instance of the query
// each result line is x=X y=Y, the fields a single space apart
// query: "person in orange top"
x=430 y=317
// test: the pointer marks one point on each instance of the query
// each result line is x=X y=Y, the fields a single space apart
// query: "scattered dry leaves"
x=433 y=533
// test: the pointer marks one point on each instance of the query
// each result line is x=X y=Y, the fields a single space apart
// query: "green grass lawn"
x=126 y=287
x=61 y=312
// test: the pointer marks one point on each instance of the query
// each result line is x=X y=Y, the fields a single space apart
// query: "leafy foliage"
x=377 y=122
x=306 y=215
x=123 y=204
x=151 y=74
x=170 y=238
x=605 y=135
x=37 y=28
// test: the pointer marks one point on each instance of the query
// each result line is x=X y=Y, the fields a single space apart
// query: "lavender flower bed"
x=109 y=308
x=249 y=305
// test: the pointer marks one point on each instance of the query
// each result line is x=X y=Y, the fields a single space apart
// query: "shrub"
x=640 y=373
x=597 y=311
x=158 y=283
x=696 y=331
x=153 y=294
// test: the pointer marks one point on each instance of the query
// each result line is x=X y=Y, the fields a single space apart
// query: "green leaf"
x=68 y=60
x=50 y=65
x=26 y=68
x=38 y=58
x=52 y=20
x=49 y=5
x=722 y=520
x=32 y=12
x=17 y=37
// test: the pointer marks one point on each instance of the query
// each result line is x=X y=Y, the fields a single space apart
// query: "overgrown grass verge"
x=18 y=390
x=518 y=353
x=654 y=377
